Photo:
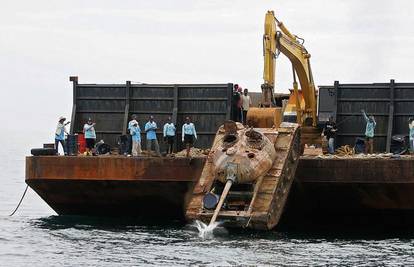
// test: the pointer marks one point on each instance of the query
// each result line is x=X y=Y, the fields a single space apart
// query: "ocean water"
x=36 y=236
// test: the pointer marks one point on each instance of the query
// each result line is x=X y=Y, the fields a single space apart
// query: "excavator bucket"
x=264 y=117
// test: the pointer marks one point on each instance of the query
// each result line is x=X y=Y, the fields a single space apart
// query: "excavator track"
x=261 y=205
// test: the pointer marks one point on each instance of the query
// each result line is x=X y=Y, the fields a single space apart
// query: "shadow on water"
x=56 y=222
x=316 y=233
x=119 y=224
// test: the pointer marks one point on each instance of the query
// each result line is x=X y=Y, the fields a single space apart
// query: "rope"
x=20 y=202
x=350 y=117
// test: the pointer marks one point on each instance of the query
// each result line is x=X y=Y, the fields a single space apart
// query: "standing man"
x=188 y=134
x=150 y=128
x=330 y=132
x=130 y=124
x=60 y=134
x=235 y=103
x=369 y=133
x=411 y=134
x=169 y=135
x=135 y=133
x=90 y=136
x=246 y=103
x=240 y=105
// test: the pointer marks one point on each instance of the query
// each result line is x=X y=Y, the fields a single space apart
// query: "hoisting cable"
x=20 y=202
x=344 y=120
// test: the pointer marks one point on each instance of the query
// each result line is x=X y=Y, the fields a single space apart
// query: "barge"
x=324 y=190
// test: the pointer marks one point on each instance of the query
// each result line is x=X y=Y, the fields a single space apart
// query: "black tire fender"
x=43 y=151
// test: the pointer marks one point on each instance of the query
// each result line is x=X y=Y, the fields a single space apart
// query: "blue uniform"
x=150 y=128
x=60 y=136
x=169 y=129
x=89 y=131
x=189 y=129
x=136 y=133
x=60 y=132
x=131 y=123
x=369 y=130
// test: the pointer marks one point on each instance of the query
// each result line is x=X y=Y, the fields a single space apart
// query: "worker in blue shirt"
x=411 y=134
x=169 y=135
x=129 y=136
x=189 y=134
x=150 y=128
x=90 y=136
x=60 y=134
x=135 y=133
x=369 y=132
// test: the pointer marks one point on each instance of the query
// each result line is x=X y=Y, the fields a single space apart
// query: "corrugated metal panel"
x=112 y=105
x=403 y=106
x=391 y=104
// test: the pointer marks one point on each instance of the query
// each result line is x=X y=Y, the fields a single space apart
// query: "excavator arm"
x=282 y=41
x=269 y=55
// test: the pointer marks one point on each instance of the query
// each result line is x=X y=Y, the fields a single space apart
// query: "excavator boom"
x=278 y=39
x=269 y=54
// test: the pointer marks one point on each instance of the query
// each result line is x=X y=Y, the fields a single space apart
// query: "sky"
x=42 y=43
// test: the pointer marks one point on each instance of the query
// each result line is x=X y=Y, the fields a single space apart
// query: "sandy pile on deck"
x=346 y=151
x=194 y=152
x=362 y=156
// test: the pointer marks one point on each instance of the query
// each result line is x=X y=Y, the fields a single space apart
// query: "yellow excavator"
x=301 y=106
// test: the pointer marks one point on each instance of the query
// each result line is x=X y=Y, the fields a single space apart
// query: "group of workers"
x=330 y=130
x=88 y=130
x=241 y=104
x=189 y=135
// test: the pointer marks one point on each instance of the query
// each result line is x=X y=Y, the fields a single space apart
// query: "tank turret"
x=243 y=153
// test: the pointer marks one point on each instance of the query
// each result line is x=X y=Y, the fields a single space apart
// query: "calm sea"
x=35 y=236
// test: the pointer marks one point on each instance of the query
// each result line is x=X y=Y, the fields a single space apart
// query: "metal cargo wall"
x=390 y=103
x=111 y=106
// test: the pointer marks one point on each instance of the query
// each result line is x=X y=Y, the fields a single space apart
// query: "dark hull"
x=352 y=192
x=149 y=199
x=114 y=186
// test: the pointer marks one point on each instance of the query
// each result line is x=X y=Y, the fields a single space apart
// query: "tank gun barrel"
x=226 y=190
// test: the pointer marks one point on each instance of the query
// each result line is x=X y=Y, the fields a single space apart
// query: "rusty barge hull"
x=114 y=185
x=372 y=192
x=328 y=191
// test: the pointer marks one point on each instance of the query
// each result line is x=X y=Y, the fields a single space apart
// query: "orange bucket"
x=81 y=143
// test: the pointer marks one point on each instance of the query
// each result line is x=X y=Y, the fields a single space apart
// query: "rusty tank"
x=247 y=176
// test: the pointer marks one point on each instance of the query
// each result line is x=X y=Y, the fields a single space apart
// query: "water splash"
x=204 y=230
